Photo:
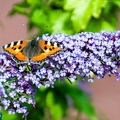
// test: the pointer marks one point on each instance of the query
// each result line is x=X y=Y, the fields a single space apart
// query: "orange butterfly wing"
x=20 y=56
x=39 y=57
x=14 y=49
x=49 y=48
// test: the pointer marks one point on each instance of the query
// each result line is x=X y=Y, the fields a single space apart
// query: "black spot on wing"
x=45 y=48
x=58 y=45
x=21 y=42
x=15 y=43
x=19 y=47
x=14 y=49
x=8 y=45
x=50 y=49
x=46 y=42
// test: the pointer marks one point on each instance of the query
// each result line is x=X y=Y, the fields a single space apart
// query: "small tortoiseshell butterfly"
x=33 y=51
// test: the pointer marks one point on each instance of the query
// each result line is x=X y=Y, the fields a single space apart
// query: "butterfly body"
x=34 y=47
x=34 y=51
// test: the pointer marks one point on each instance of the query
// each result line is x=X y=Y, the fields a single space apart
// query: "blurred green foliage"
x=0 y=116
x=69 y=16
x=64 y=16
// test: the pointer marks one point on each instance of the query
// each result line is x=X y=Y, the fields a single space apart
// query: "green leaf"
x=116 y=2
x=55 y=106
x=59 y=23
x=82 y=12
x=80 y=100
x=0 y=116
x=28 y=68
x=19 y=8
x=35 y=4
x=38 y=17
x=70 y=4
x=98 y=5
x=107 y=26
x=82 y=103
x=5 y=116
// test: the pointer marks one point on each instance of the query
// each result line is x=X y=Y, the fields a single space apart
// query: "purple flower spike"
x=82 y=54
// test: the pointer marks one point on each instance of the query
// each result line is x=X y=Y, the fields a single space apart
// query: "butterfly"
x=34 y=51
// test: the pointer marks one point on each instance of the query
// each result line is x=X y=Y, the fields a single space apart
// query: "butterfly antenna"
x=29 y=32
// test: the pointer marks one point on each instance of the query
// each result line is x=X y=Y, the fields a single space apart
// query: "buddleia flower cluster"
x=82 y=54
